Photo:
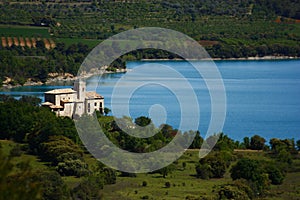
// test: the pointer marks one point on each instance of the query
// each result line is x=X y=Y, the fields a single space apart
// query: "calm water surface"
x=263 y=97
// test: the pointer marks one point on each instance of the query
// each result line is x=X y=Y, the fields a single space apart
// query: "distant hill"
x=99 y=19
x=227 y=29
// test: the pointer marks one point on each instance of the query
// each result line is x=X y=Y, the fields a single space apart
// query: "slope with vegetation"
x=227 y=29
x=43 y=153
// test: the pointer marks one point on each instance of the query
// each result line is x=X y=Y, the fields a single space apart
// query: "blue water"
x=263 y=97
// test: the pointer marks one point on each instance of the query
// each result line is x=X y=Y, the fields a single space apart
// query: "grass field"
x=34 y=162
x=25 y=31
x=68 y=41
x=184 y=184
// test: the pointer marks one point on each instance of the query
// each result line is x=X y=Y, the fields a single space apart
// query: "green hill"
x=227 y=29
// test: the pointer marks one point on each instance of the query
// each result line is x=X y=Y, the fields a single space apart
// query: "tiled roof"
x=93 y=95
x=61 y=91
x=47 y=103
x=67 y=101
x=56 y=106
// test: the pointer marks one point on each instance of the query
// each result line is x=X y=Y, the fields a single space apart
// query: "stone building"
x=73 y=102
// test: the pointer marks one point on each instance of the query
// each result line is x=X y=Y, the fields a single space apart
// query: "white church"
x=73 y=102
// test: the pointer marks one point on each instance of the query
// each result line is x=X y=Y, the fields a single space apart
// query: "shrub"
x=72 y=168
x=167 y=184
x=184 y=165
x=253 y=172
x=15 y=151
x=89 y=188
x=144 y=184
x=275 y=174
x=127 y=174
x=110 y=176
x=192 y=197
x=232 y=192
x=212 y=166
x=203 y=171
x=52 y=185
x=284 y=156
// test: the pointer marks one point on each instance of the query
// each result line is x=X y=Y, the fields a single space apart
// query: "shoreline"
x=230 y=59
x=65 y=78
x=60 y=79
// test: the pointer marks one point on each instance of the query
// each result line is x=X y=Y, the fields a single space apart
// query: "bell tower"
x=80 y=88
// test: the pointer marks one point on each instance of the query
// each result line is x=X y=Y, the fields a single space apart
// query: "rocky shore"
x=59 y=78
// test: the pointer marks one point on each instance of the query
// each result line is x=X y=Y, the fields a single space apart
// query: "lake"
x=263 y=97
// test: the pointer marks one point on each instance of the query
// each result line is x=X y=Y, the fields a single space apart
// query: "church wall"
x=64 y=97
x=94 y=104
x=68 y=110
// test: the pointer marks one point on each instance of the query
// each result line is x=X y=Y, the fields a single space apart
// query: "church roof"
x=93 y=95
x=56 y=106
x=61 y=91
x=47 y=103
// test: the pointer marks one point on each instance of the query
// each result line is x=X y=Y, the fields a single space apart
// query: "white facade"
x=73 y=102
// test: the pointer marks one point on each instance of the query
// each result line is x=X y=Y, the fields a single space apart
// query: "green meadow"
x=24 y=31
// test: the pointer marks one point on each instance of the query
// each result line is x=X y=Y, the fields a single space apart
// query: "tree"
x=253 y=172
x=257 y=143
x=212 y=166
x=35 y=101
x=89 y=188
x=275 y=174
x=284 y=156
x=106 y=111
x=65 y=155
x=278 y=145
x=52 y=185
x=246 y=142
x=197 y=142
x=142 y=121
x=239 y=189
x=298 y=145
x=203 y=171
x=224 y=143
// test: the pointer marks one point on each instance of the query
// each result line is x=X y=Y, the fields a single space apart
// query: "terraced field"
x=26 y=42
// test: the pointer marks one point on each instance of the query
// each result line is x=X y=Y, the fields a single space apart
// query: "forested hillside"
x=227 y=29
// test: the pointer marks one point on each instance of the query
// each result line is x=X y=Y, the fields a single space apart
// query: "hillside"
x=227 y=29
x=247 y=21
x=42 y=157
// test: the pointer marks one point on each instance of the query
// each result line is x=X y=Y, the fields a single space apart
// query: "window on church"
x=89 y=107
x=95 y=103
